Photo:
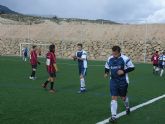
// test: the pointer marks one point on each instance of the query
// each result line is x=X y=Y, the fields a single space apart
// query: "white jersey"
x=120 y=63
x=82 y=54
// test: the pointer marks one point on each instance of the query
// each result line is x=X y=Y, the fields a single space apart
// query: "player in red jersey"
x=33 y=61
x=155 y=61
x=51 y=68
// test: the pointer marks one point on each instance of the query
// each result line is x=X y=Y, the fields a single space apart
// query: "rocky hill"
x=136 y=40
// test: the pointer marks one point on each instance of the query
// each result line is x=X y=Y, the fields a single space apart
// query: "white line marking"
x=134 y=108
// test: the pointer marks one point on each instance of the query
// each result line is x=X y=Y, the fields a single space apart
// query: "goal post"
x=43 y=48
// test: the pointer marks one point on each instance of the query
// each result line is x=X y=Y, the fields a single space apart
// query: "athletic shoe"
x=44 y=86
x=81 y=91
x=52 y=91
x=31 y=78
x=112 y=120
x=128 y=111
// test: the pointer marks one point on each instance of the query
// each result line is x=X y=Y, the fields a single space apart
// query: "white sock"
x=114 y=108
x=126 y=102
x=161 y=73
x=82 y=84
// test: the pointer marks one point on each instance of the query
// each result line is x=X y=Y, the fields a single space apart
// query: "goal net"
x=42 y=49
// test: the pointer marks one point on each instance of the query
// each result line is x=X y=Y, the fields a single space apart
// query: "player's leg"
x=123 y=94
x=44 y=85
x=154 y=68
x=157 y=69
x=34 y=68
x=161 y=70
x=25 y=56
x=82 y=79
x=52 y=80
x=82 y=73
x=113 y=103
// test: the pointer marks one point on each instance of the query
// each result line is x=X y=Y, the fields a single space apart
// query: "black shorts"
x=52 y=74
x=34 y=66
x=155 y=65
x=25 y=54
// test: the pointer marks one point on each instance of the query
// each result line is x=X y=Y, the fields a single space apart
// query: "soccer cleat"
x=52 y=91
x=113 y=119
x=44 y=86
x=31 y=78
x=81 y=91
x=128 y=111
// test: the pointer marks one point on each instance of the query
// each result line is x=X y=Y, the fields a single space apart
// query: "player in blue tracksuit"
x=162 y=63
x=81 y=57
x=25 y=53
x=118 y=66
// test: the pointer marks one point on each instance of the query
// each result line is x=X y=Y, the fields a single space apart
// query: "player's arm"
x=107 y=70
x=74 y=56
x=83 y=57
x=54 y=63
x=55 y=66
x=152 y=58
x=130 y=67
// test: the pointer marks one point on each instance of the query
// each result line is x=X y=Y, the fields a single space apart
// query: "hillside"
x=6 y=10
x=97 y=37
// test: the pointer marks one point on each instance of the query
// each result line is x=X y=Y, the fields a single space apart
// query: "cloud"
x=130 y=10
x=157 y=17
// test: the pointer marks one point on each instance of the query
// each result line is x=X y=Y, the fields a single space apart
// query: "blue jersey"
x=162 y=60
x=121 y=63
x=26 y=50
x=82 y=63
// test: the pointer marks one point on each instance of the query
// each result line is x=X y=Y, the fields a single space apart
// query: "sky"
x=117 y=10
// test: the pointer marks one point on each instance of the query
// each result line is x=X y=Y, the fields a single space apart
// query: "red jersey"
x=50 y=61
x=155 y=58
x=33 y=57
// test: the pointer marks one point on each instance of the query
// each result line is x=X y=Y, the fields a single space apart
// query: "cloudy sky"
x=130 y=10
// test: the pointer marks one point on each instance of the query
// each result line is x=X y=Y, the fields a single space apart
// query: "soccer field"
x=23 y=101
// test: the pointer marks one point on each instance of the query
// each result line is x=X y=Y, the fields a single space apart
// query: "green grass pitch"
x=23 y=101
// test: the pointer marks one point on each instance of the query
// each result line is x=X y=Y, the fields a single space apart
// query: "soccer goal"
x=42 y=48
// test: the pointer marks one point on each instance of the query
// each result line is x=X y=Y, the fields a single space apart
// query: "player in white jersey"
x=162 y=63
x=118 y=66
x=81 y=57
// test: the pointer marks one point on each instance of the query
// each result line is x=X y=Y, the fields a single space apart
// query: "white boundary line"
x=134 y=108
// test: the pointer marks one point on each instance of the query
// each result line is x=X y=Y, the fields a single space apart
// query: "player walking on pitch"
x=81 y=57
x=33 y=61
x=155 y=60
x=118 y=66
x=51 y=68
x=162 y=63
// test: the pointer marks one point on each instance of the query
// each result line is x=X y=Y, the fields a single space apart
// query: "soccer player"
x=162 y=63
x=155 y=60
x=118 y=66
x=25 y=53
x=51 y=68
x=33 y=61
x=81 y=57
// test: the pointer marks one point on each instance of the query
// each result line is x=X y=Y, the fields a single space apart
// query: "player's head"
x=34 y=47
x=164 y=52
x=52 y=48
x=79 y=46
x=116 y=51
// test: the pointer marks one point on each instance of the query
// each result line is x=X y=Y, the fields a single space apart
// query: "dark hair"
x=34 y=46
x=79 y=44
x=156 y=51
x=116 y=48
x=52 y=48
